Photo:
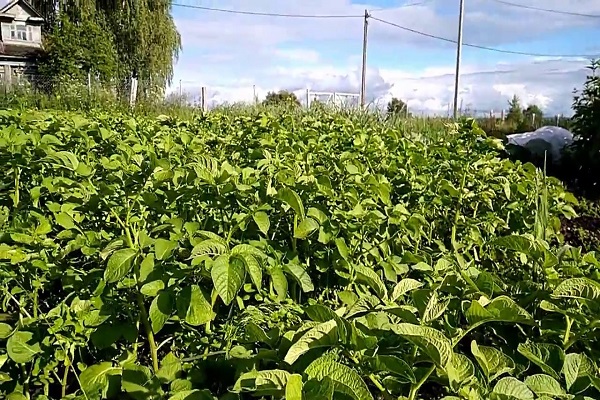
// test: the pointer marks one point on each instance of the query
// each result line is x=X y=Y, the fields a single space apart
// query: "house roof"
x=25 y=4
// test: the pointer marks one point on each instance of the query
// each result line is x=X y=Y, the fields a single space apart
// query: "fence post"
x=89 y=84
x=203 y=98
x=307 y=98
x=133 y=91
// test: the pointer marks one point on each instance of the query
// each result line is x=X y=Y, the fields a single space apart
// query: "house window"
x=21 y=32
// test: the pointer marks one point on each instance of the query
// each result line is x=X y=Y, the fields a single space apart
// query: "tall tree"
x=142 y=34
x=515 y=112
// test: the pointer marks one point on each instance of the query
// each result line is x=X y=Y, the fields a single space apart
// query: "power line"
x=264 y=14
x=522 y=53
x=267 y=14
x=576 y=14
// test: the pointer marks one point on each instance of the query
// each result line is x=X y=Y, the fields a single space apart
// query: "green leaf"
x=305 y=228
x=576 y=366
x=578 y=288
x=95 y=378
x=519 y=243
x=21 y=347
x=160 y=310
x=16 y=396
x=405 y=286
x=210 y=247
x=5 y=330
x=460 y=371
x=119 y=265
x=164 y=248
x=170 y=367
x=500 y=309
x=549 y=357
x=253 y=268
x=393 y=365
x=434 y=308
x=368 y=276
x=293 y=388
x=228 y=275
x=195 y=394
x=342 y=248
x=262 y=221
x=151 y=289
x=146 y=267
x=513 y=389
x=280 y=283
x=298 y=272
x=65 y=220
x=431 y=341
x=544 y=385
x=292 y=199
x=323 y=335
x=195 y=306
x=345 y=379
x=266 y=382
x=492 y=361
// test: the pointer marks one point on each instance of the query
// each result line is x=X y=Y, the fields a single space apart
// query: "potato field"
x=299 y=256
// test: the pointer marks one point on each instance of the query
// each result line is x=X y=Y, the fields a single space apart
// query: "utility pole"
x=363 y=87
x=458 y=56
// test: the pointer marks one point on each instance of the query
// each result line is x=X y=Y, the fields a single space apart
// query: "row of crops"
x=304 y=256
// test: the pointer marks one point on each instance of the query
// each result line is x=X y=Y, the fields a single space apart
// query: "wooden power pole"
x=363 y=87
x=458 y=56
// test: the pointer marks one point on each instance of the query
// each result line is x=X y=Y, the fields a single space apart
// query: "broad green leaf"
x=170 y=367
x=578 y=288
x=434 y=308
x=513 y=389
x=160 y=310
x=549 y=357
x=280 y=283
x=345 y=379
x=405 y=286
x=576 y=366
x=151 y=289
x=163 y=248
x=95 y=377
x=519 y=243
x=262 y=382
x=210 y=247
x=194 y=304
x=492 y=361
x=146 y=267
x=119 y=265
x=500 y=309
x=431 y=341
x=195 y=394
x=298 y=272
x=65 y=220
x=544 y=385
x=262 y=221
x=305 y=228
x=342 y=248
x=293 y=388
x=228 y=275
x=16 y=396
x=5 y=330
x=135 y=378
x=393 y=365
x=323 y=335
x=292 y=199
x=318 y=389
x=21 y=347
x=460 y=371
x=253 y=268
x=368 y=276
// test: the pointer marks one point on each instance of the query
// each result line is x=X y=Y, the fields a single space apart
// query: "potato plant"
x=304 y=256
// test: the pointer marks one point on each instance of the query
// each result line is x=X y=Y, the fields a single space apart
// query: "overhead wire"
x=523 y=53
x=548 y=10
x=432 y=36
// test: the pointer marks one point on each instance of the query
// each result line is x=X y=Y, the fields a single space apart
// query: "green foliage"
x=397 y=107
x=310 y=255
x=113 y=39
x=281 y=98
x=515 y=111
x=586 y=125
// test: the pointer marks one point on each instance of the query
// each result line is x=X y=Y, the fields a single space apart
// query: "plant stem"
x=148 y=329
x=415 y=388
x=64 y=381
x=567 y=330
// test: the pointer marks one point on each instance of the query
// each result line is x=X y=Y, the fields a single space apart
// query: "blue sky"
x=235 y=56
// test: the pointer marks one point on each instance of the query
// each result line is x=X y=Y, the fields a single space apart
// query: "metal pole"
x=363 y=87
x=307 y=98
x=458 y=56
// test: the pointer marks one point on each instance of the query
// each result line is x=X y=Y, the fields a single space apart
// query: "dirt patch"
x=583 y=231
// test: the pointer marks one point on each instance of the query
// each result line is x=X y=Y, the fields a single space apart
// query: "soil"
x=583 y=231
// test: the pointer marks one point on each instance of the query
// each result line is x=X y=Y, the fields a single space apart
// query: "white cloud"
x=237 y=56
